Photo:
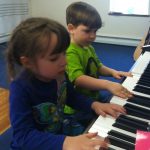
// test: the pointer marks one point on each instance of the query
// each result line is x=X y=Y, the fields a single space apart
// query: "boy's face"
x=82 y=35
x=50 y=66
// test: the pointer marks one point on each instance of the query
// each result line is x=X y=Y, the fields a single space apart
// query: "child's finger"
x=97 y=143
x=91 y=135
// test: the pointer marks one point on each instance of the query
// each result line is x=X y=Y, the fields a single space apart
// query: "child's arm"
x=81 y=102
x=97 y=84
x=106 y=71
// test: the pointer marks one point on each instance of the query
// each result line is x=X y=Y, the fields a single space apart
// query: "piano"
x=143 y=46
x=121 y=132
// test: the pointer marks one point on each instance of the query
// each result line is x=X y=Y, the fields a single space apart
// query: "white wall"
x=126 y=30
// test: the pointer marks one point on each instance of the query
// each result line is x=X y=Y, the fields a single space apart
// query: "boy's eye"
x=90 y=30
x=87 y=31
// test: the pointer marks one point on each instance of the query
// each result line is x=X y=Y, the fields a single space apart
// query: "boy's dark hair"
x=82 y=13
x=32 y=37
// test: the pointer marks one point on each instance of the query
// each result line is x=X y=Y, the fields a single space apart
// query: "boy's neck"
x=83 y=47
x=79 y=45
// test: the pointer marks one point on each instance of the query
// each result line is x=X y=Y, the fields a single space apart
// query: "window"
x=129 y=7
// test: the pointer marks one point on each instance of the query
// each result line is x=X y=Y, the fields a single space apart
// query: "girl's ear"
x=25 y=61
x=70 y=28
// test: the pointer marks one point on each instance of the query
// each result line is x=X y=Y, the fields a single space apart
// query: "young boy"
x=83 y=65
x=38 y=94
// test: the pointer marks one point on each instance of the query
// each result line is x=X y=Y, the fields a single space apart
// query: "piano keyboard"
x=141 y=63
x=121 y=132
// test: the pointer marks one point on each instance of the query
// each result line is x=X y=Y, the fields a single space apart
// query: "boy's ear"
x=25 y=61
x=70 y=28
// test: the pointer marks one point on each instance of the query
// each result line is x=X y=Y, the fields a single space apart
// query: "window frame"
x=116 y=13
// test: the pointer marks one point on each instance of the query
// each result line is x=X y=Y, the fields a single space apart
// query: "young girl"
x=39 y=92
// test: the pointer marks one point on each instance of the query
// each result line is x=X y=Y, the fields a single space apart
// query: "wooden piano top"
x=138 y=49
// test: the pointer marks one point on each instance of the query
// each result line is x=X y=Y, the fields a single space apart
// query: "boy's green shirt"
x=83 y=61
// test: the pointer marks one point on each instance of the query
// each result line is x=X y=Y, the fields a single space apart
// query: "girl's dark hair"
x=32 y=37
x=82 y=13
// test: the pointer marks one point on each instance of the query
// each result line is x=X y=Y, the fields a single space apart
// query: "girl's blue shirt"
x=36 y=112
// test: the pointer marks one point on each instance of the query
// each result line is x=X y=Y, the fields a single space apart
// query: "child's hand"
x=118 y=90
x=83 y=142
x=107 y=108
x=119 y=74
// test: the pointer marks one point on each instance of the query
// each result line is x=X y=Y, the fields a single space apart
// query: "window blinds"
x=12 y=12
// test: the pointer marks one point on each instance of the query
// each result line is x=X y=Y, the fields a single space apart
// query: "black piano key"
x=144 y=110
x=140 y=100
x=120 y=143
x=141 y=97
x=122 y=136
x=144 y=79
x=137 y=111
x=132 y=123
x=136 y=120
x=124 y=127
x=141 y=89
x=144 y=83
x=145 y=76
x=145 y=73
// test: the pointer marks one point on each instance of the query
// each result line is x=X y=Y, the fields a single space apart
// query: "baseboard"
x=117 y=40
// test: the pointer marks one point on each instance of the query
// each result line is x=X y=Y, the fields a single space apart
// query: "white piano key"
x=134 y=117
x=104 y=124
x=115 y=147
x=122 y=102
x=141 y=63
x=130 y=83
x=103 y=132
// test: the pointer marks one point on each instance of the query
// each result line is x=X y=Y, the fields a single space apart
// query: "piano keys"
x=141 y=63
x=131 y=82
x=121 y=132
